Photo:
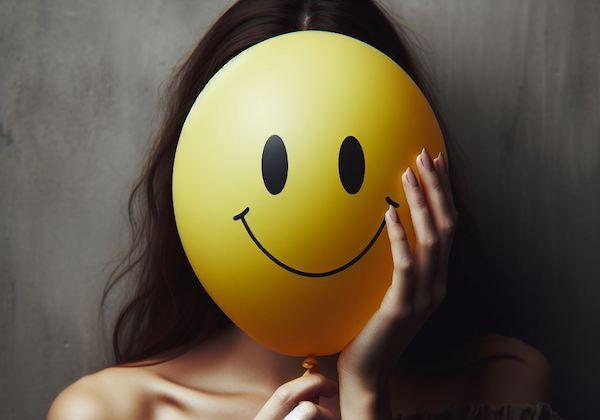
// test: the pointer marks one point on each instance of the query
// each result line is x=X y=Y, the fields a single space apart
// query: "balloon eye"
x=351 y=165
x=274 y=164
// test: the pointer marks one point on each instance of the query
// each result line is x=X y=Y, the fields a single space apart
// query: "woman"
x=179 y=356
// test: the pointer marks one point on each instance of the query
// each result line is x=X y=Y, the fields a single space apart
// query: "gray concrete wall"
x=79 y=89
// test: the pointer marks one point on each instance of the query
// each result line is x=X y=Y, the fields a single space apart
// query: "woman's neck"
x=234 y=354
x=257 y=360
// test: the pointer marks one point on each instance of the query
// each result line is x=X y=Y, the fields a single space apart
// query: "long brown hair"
x=169 y=311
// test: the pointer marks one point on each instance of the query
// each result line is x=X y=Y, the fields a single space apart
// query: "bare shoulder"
x=144 y=391
x=513 y=370
x=111 y=393
x=501 y=348
x=499 y=361
x=492 y=369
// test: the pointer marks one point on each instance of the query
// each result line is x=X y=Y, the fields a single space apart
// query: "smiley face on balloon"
x=285 y=167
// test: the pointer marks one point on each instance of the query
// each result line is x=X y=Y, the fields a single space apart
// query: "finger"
x=433 y=188
x=427 y=246
x=443 y=218
x=399 y=295
x=441 y=166
x=307 y=410
x=288 y=395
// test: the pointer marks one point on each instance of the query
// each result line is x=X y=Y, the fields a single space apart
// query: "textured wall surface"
x=79 y=100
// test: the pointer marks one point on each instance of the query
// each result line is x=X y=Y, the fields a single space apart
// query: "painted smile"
x=242 y=214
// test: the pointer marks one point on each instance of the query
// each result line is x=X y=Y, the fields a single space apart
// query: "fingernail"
x=393 y=214
x=410 y=177
x=300 y=412
x=443 y=163
x=426 y=160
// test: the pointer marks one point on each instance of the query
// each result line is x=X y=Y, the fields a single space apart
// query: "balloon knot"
x=310 y=364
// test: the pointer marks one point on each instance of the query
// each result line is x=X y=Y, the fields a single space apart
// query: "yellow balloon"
x=281 y=180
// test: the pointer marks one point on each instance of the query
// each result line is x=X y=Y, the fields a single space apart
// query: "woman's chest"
x=218 y=407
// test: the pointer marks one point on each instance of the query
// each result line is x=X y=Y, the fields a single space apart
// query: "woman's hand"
x=418 y=286
x=298 y=400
